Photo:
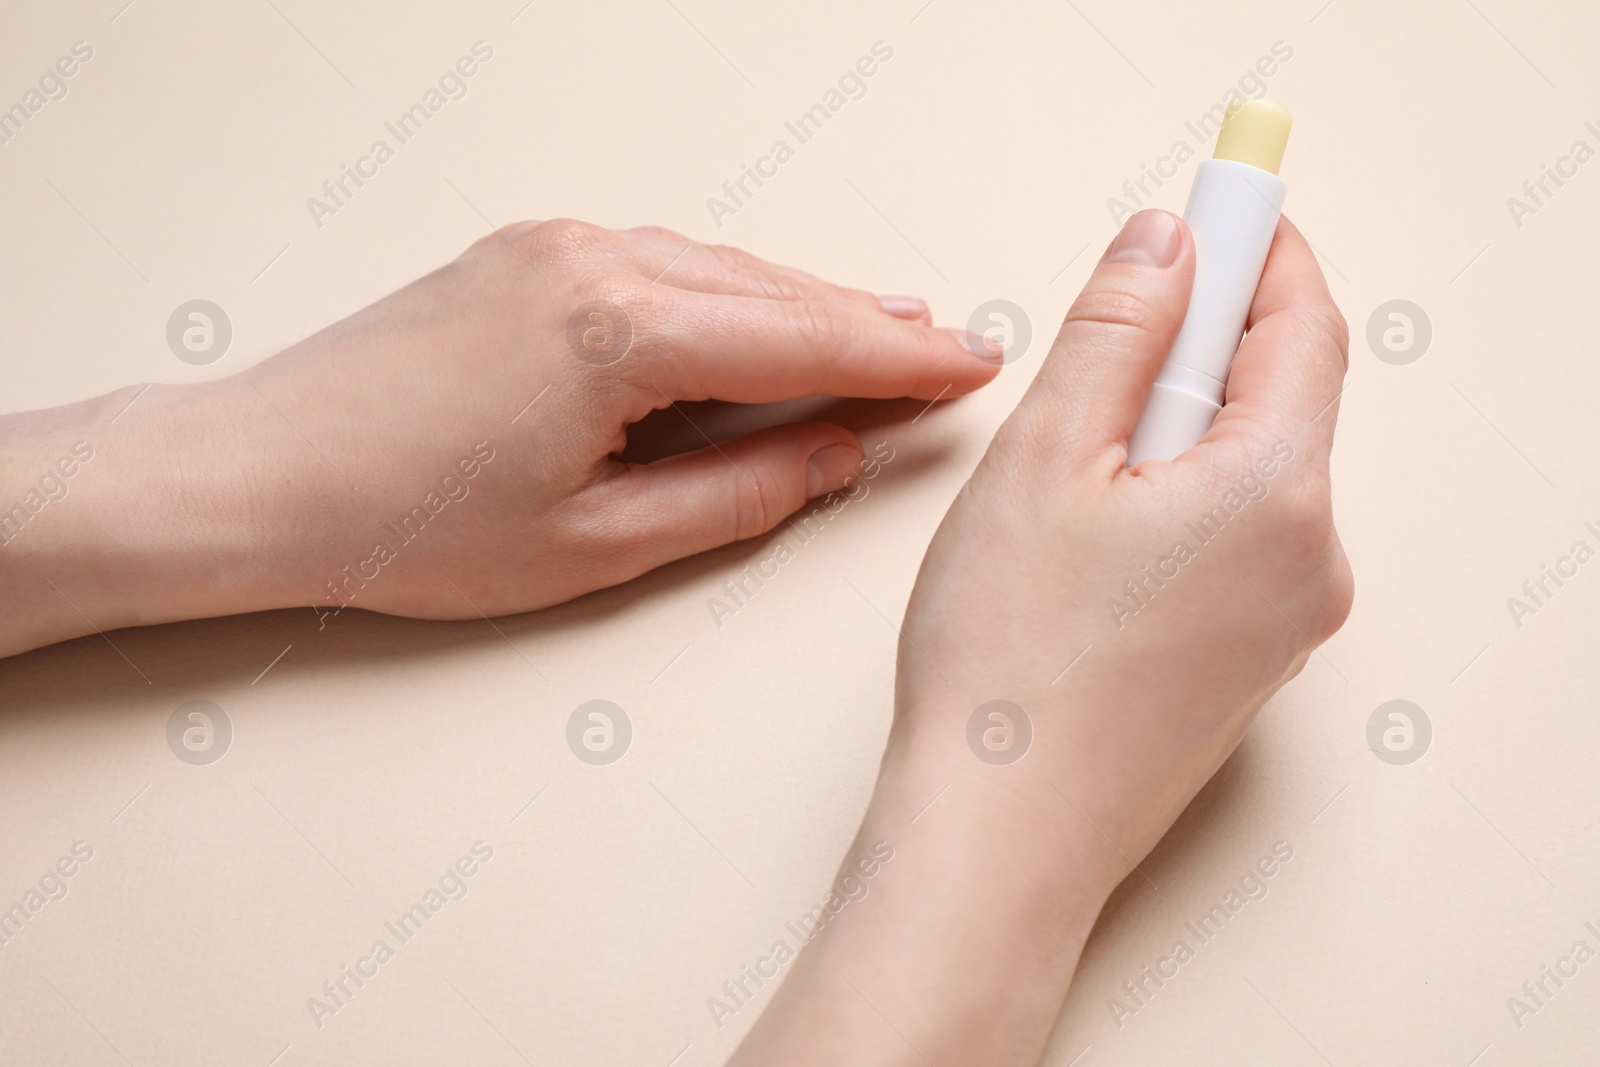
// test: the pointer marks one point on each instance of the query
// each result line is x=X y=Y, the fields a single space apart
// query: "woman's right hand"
x=1133 y=620
x=1183 y=594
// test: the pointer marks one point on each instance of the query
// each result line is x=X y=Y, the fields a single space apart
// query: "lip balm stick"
x=1232 y=211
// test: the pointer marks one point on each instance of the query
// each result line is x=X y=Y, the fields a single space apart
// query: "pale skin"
x=255 y=491
x=963 y=950
x=252 y=492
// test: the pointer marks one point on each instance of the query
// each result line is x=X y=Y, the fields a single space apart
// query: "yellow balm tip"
x=1255 y=132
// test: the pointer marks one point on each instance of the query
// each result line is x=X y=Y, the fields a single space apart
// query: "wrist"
x=967 y=938
x=1041 y=807
x=171 y=510
x=1013 y=818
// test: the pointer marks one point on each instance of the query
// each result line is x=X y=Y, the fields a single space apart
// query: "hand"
x=1192 y=590
x=1181 y=595
x=452 y=449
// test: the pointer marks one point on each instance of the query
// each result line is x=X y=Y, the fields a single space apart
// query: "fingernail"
x=904 y=307
x=985 y=348
x=1150 y=237
x=829 y=468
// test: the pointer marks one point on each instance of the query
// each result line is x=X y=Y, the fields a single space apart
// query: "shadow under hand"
x=162 y=666
x=692 y=424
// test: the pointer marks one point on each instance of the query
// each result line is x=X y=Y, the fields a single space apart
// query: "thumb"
x=1116 y=335
x=689 y=503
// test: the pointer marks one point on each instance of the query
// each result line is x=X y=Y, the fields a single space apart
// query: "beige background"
x=376 y=751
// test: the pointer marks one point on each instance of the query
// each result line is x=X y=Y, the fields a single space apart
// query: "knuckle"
x=1117 y=307
x=609 y=320
x=772 y=284
x=1325 y=325
x=1338 y=597
x=777 y=287
x=737 y=257
x=559 y=239
x=660 y=233
x=825 y=327
x=758 y=501
x=626 y=290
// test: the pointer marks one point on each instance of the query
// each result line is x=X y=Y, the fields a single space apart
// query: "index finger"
x=1289 y=372
x=749 y=350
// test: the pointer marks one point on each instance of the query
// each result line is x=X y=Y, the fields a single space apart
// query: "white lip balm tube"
x=1232 y=211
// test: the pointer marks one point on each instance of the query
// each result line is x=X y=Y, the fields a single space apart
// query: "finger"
x=912 y=308
x=697 y=346
x=1116 y=335
x=727 y=492
x=673 y=259
x=758 y=274
x=1288 y=374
